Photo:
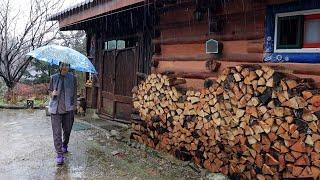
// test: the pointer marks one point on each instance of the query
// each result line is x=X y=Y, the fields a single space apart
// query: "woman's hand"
x=54 y=93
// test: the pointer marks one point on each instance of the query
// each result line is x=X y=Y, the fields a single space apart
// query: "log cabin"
x=129 y=36
x=197 y=40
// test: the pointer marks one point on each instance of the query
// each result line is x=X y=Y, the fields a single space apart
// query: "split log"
x=252 y=120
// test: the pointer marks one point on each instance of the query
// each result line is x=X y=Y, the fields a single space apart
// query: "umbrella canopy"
x=55 y=54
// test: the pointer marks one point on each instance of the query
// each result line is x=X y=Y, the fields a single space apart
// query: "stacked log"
x=252 y=122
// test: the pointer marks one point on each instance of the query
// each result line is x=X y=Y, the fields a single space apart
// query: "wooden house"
x=194 y=38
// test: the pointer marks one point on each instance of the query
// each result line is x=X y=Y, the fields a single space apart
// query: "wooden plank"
x=117 y=98
x=123 y=99
x=295 y=68
x=303 y=69
x=203 y=38
x=195 y=75
x=255 y=46
x=235 y=47
x=236 y=57
x=186 y=31
x=182 y=66
x=183 y=49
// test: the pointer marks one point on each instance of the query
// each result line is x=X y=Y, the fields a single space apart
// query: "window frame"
x=297 y=50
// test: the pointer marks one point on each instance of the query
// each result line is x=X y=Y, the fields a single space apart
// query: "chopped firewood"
x=279 y=111
x=270 y=160
x=291 y=84
x=259 y=161
x=315 y=137
x=289 y=157
x=306 y=95
x=253 y=121
x=317 y=146
x=251 y=140
x=296 y=171
x=309 y=117
x=194 y=99
x=315 y=100
x=283 y=85
x=259 y=72
x=269 y=83
x=306 y=172
x=315 y=172
x=298 y=146
x=268 y=73
x=267 y=170
x=292 y=103
x=237 y=77
x=238 y=68
x=309 y=140
x=296 y=154
x=261 y=81
x=302 y=161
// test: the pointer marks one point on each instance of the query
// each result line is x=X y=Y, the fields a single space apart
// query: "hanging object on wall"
x=214 y=47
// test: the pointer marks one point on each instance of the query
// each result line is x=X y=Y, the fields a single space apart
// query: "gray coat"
x=70 y=92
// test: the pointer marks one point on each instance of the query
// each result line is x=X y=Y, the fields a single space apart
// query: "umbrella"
x=55 y=54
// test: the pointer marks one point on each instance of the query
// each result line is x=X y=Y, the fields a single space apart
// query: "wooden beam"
x=200 y=57
x=202 y=39
x=295 y=68
x=117 y=98
x=196 y=75
x=278 y=1
x=236 y=57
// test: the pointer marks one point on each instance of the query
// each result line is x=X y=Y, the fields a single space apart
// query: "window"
x=114 y=44
x=121 y=44
x=312 y=31
x=289 y=32
x=297 y=31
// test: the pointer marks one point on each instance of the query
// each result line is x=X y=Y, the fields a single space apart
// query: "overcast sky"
x=22 y=7
x=23 y=4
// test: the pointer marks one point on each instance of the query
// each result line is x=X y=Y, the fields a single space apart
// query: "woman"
x=63 y=88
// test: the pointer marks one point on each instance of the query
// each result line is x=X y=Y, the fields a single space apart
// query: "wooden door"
x=119 y=77
x=108 y=80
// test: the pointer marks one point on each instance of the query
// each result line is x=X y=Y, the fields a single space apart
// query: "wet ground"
x=26 y=152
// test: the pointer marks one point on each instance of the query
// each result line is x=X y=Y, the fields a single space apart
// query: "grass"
x=40 y=102
x=21 y=101
x=2 y=101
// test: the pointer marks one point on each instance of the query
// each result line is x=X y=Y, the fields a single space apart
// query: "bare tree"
x=14 y=44
x=73 y=39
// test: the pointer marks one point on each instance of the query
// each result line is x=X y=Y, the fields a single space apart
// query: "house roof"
x=71 y=8
x=89 y=9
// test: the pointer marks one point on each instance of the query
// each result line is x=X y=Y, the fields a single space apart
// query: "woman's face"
x=64 y=68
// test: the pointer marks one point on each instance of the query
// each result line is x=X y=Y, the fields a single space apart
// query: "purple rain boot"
x=64 y=149
x=60 y=159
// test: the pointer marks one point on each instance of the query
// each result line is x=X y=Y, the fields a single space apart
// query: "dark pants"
x=61 y=122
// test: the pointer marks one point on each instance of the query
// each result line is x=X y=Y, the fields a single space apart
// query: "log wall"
x=182 y=41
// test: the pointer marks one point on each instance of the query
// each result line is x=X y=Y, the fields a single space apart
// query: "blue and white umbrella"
x=55 y=54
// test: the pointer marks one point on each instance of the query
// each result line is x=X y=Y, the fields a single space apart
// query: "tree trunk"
x=10 y=96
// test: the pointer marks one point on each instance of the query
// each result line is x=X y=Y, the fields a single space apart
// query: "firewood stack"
x=252 y=122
